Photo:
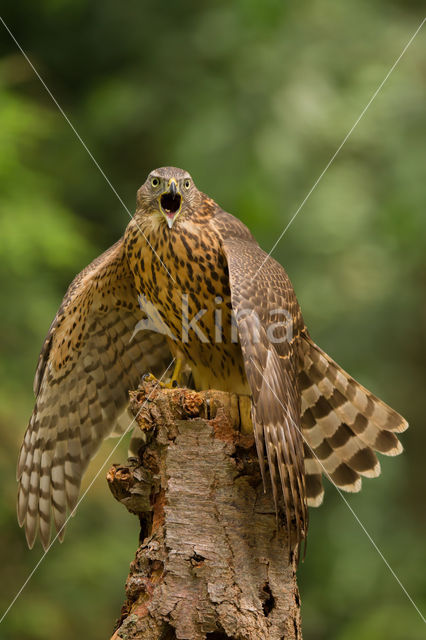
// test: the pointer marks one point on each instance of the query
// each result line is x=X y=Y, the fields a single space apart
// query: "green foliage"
x=253 y=98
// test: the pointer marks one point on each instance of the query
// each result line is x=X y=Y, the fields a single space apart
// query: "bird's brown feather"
x=343 y=423
x=261 y=292
x=88 y=363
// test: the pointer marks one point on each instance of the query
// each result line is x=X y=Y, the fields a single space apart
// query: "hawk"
x=231 y=316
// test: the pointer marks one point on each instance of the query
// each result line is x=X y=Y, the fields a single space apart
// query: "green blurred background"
x=253 y=98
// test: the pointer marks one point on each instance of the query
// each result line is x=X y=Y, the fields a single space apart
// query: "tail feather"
x=322 y=368
x=343 y=424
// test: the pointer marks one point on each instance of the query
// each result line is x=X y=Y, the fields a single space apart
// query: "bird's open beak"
x=171 y=202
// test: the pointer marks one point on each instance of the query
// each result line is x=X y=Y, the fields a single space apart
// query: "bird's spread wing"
x=90 y=359
x=269 y=324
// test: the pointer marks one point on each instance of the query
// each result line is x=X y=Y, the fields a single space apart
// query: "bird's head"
x=168 y=193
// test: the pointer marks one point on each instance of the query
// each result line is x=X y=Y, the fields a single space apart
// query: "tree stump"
x=212 y=561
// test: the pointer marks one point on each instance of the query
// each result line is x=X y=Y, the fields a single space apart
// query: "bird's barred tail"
x=343 y=425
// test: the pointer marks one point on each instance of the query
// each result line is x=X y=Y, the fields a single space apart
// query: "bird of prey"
x=230 y=315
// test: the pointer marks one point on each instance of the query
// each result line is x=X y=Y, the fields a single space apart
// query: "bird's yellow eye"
x=187 y=184
x=155 y=182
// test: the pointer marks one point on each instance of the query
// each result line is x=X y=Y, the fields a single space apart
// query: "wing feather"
x=89 y=361
x=296 y=385
x=263 y=299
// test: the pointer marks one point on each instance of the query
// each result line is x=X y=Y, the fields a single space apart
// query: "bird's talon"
x=150 y=377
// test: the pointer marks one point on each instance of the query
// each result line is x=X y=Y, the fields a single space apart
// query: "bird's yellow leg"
x=175 y=379
x=246 y=424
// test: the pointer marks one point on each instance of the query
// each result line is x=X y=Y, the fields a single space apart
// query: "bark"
x=212 y=562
